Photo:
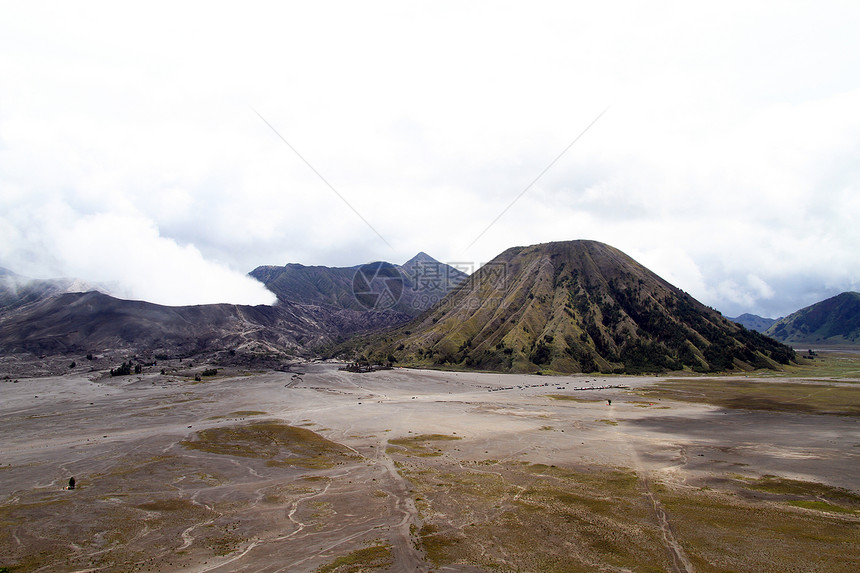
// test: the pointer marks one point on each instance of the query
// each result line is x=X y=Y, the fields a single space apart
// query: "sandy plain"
x=319 y=469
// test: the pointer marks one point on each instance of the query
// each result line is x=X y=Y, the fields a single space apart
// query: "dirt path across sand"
x=407 y=557
x=680 y=562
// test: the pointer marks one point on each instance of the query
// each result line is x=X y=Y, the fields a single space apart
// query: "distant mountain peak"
x=421 y=256
x=835 y=320
x=422 y=282
x=754 y=322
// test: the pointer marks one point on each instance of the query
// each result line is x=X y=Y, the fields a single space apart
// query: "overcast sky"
x=132 y=149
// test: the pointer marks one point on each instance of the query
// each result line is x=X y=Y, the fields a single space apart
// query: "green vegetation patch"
x=820 y=506
x=832 y=364
x=572 y=398
x=224 y=544
x=419 y=445
x=440 y=547
x=812 y=491
x=760 y=395
x=134 y=475
x=369 y=558
x=166 y=505
x=279 y=444
x=618 y=480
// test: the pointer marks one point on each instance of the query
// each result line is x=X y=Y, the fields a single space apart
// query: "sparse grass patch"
x=85 y=530
x=419 y=445
x=279 y=444
x=368 y=558
x=760 y=395
x=432 y=438
x=722 y=533
x=820 y=506
x=439 y=547
x=568 y=398
x=826 y=364
x=209 y=479
x=814 y=491
x=494 y=520
x=285 y=493
x=166 y=505
x=317 y=462
x=224 y=544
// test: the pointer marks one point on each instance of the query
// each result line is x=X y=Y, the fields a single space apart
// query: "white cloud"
x=729 y=151
x=128 y=254
x=150 y=267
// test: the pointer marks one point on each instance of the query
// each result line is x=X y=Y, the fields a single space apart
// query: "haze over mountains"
x=754 y=322
x=566 y=307
x=17 y=291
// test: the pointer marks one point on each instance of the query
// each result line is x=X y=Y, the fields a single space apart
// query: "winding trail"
x=295 y=507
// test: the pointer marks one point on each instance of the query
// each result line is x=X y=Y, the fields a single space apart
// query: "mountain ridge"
x=96 y=322
x=835 y=320
x=17 y=291
x=59 y=316
x=422 y=282
x=575 y=306
x=572 y=306
x=754 y=322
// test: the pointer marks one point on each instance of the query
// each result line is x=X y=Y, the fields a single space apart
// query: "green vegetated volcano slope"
x=834 y=321
x=577 y=306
